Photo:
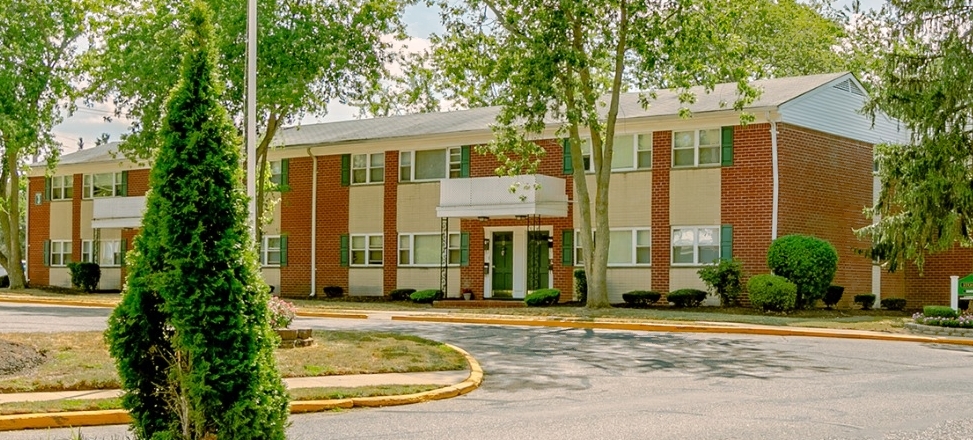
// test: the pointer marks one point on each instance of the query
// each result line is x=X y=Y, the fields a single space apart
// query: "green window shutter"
x=344 y=251
x=123 y=188
x=283 y=247
x=284 y=165
x=567 y=247
x=727 y=144
x=345 y=170
x=121 y=249
x=47 y=252
x=464 y=252
x=47 y=188
x=464 y=169
x=726 y=242
x=568 y=166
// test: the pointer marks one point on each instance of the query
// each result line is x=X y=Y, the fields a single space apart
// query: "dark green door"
x=538 y=261
x=503 y=264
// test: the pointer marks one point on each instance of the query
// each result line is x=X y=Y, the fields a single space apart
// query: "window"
x=270 y=250
x=424 y=249
x=60 y=252
x=629 y=152
x=628 y=247
x=366 y=249
x=61 y=188
x=86 y=251
x=431 y=164
x=104 y=185
x=110 y=253
x=695 y=245
x=696 y=147
x=276 y=172
x=368 y=168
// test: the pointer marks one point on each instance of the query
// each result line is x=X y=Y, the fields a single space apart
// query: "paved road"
x=544 y=383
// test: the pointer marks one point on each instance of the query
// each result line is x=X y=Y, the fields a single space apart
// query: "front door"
x=538 y=261
x=503 y=264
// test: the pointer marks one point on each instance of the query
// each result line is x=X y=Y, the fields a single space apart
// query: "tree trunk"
x=15 y=272
x=273 y=122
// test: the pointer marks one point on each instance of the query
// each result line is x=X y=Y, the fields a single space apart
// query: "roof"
x=101 y=153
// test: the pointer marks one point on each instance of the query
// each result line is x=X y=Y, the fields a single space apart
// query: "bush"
x=808 y=262
x=85 y=276
x=866 y=300
x=334 y=291
x=832 y=296
x=426 y=296
x=641 y=298
x=581 y=285
x=772 y=292
x=724 y=279
x=686 y=297
x=956 y=320
x=893 y=303
x=282 y=313
x=939 y=312
x=401 y=294
x=542 y=297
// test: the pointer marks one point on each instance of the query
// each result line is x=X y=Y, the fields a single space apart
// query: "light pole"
x=251 y=144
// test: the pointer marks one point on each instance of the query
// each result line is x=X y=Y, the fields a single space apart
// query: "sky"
x=88 y=123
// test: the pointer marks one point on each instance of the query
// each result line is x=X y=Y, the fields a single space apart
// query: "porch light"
x=483 y=218
x=520 y=217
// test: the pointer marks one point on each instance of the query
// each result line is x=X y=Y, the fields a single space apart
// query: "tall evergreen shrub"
x=808 y=262
x=191 y=337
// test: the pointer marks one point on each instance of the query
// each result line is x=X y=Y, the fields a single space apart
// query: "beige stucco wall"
x=626 y=279
x=273 y=228
x=365 y=281
x=61 y=213
x=416 y=208
x=694 y=196
x=60 y=277
x=629 y=199
x=421 y=278
x=685 y=278
x=113 y=234
x=271 y=276
x=86 y=214
x=366 y=209
x=111 y=278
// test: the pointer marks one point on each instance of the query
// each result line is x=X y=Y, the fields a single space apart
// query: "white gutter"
x=776 y=168
x=314 y=223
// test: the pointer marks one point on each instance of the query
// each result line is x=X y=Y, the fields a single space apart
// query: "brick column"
x=38 y=231
x=661 y=240
x=295 y=222
x=76 y=217
x=390 y=259
x=332 y=222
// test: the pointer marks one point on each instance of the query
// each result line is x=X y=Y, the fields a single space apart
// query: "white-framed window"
x=429 y=165
x=103 y=185
x=270 y=250
x=366 y=249
x=87 y=251
x=695 y=245
x=276 y=172
x=110 y=253
x=367 y=168
x=629 y=152
x=628 y=247
x=60 y=252
x=424 y=249
x=696 y=147
x=62 y=187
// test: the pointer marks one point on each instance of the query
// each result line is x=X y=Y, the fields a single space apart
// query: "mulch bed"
x=15 y=358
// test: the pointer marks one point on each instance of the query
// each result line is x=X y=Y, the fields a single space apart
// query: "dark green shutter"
x=123 y=188
x=726 y=242
x=284 y=166
x=727 y=144
x=47 y=188
x=343 y=258
x=283 y=246
x=568 y=166
x=47 y=252
x=567 y=247
x=464 y=167
x=345 y=170
x=464 y=250
x=121 y=251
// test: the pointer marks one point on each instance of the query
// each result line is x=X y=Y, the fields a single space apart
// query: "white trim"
x=695 y=228
x=367 y=250
x=695 y=148
x=634 y=230
x=62 y=253
x=776 y=177
x=314 y=226
x=369 y=167
x=265 y=250
x=412 y=248
x=447 y=161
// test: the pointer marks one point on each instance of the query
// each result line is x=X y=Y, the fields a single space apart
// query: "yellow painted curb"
x=64 y=419
x=56 y=302
x=306 y=406
x=692 y=328
x=332 y=315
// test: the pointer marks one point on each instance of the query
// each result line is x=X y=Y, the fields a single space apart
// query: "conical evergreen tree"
x=191 y=337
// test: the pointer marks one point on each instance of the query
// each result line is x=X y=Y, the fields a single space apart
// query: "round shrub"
x=401 y=294
x=939 y=312
x=334 y=291
x=772 y=292
x=85 y=276
x=832 y=296
x=866 y=300
x=808 y=262
x=542 y=297
x=893 y=303
x=641 y=298
x=427 y=296
x=686 y=297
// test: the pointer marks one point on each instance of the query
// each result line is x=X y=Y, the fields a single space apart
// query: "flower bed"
x=962 y=321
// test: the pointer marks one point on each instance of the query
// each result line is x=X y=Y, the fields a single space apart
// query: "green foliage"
x=893 y=303
x=192 y=337
x=808 y=262
x=581 y=285
x=542 y=297
x=832 y=296
x=772 y=292
x=401 y=294
x=866 y=300
x=426 y=296
x=686 y=297
x=333 y=291
x=641 y=298
x=85 y=276
x=724 y=279
x=939 y=312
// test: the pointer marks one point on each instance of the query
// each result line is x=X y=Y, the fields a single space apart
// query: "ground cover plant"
x=943 y=316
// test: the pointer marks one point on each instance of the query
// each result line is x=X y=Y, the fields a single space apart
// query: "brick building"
x=377 y=204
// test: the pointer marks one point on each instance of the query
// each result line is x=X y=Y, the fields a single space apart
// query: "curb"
x=56 y=302
x=332 y=315
x=694 y=328
x=72 y=419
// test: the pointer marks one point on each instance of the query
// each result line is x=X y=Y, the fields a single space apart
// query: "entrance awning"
x=503 y=197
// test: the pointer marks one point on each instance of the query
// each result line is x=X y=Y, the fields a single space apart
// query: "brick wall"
x=76 y=218
x=38 y=231
x=138 y=182
x=332 y=222
x=390 y=257
x=747 y=196
x=825 y=182
x=932 y=285
x=661 y=162
x=295 y=222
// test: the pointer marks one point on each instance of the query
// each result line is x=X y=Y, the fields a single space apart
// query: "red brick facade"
x=747 y=196
x=333 y=206
x=38 y=230
x=138 y=182
x=390 y=257
x=661 y=240
x=76 y=217
x=295 y=223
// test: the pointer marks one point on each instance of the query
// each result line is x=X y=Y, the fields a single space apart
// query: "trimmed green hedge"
x=641 y=298
x=772 y=292
x=939 y=312
x=832 y=296
x=401 y=294
x=542 y=298
x=686 y=297
x=866 y=300
x=426 y=296
x=85 y=276
x=893 y=303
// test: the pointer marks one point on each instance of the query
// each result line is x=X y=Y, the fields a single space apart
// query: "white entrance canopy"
x=503 y=197
x=117 y=212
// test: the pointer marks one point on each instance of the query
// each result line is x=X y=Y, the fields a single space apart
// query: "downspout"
x=314 y=223
x=776 y=172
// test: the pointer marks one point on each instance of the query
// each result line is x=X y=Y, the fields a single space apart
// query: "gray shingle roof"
x=101 y=153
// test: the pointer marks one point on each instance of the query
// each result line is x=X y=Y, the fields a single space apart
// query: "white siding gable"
x=835 y=108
